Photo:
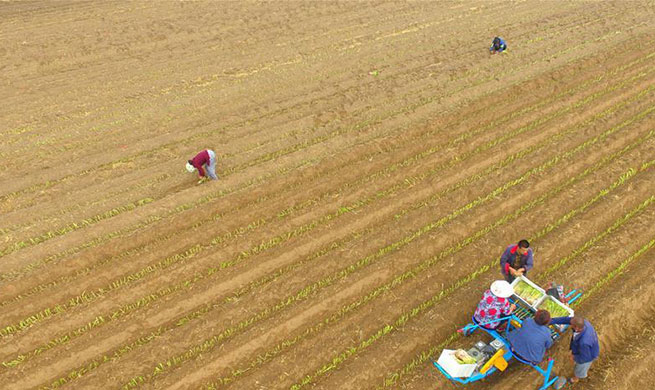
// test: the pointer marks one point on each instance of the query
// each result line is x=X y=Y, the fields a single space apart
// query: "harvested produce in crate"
x=462 y=357
x=553 y=308
x=527 y=292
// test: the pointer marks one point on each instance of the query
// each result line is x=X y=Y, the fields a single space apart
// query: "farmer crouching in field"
x=584 y=346
x=497 y=46
x=532 y=339
x=516 y=260
x=203 y=161
x=494 y=305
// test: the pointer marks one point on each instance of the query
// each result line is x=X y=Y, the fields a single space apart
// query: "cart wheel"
x=559 y=383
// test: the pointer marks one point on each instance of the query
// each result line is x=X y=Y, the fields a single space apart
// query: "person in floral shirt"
x=494 y=304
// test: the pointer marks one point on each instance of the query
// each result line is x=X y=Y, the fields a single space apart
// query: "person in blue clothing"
x=584 y=346
x=532 y=339
x=497 y=46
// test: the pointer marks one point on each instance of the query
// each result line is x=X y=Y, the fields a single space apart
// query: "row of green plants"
x=78 y=206
x=73 y=226
x=38 y=264
x=91 y=296
x=402 y=320
x=302 y=294
x=549 y=228
x=393 y=378
x=454 y=160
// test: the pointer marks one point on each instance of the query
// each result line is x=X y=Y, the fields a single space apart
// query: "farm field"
x=374 y=162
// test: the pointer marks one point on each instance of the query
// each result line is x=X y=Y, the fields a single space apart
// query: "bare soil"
x=374 y=161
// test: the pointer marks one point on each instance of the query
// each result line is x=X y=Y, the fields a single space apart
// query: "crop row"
x=246 y=323
x=412 y=159
x=408 y=275
x=74 y=226
x=409 y=314
x=186 y=283
x=150 y=220
x=49 y=234
x=91 y=296
x=616 y=271
x=302 y=294
x=202 y=135
x=425 y=355
x=81 y=206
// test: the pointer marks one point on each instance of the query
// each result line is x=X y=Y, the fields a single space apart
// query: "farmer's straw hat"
x=501 y=289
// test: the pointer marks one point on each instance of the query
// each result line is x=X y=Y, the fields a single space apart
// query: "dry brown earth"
x=374 y=161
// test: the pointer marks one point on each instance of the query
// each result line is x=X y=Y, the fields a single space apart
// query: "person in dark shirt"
x=205 y=163
x=584 y=346
x=497 y=46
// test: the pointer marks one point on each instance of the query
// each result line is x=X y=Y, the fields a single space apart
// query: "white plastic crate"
x=532 y=284
x=457 y=370
x=565 y=307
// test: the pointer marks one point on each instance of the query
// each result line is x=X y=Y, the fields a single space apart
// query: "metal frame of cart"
x=511 y=320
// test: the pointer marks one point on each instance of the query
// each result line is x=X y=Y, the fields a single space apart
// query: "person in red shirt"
x=494 y=305
x=205 y=163
x=516 y=260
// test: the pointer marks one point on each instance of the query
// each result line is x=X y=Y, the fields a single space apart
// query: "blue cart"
x=494 y=356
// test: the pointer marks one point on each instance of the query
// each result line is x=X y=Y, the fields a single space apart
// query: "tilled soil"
x=374 y=162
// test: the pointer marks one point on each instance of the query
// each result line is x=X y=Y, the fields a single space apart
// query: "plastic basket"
x=532 y=284
x=558 y=303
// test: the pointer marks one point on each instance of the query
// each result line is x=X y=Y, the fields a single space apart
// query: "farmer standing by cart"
x=516 y=260
x=203 y=161
x=584 y=347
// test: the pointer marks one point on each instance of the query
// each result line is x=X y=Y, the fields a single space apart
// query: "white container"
x=563 y=306
x=448 y=362
x=532 y=284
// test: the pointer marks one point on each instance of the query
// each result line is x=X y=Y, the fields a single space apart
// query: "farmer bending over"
x=497 y=46
x=205 y=160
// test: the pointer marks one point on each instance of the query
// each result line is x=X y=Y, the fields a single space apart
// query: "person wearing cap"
x=584 y=346
x=205 y=163
x=516 y=260
x=532 y=339
x=494 y=305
